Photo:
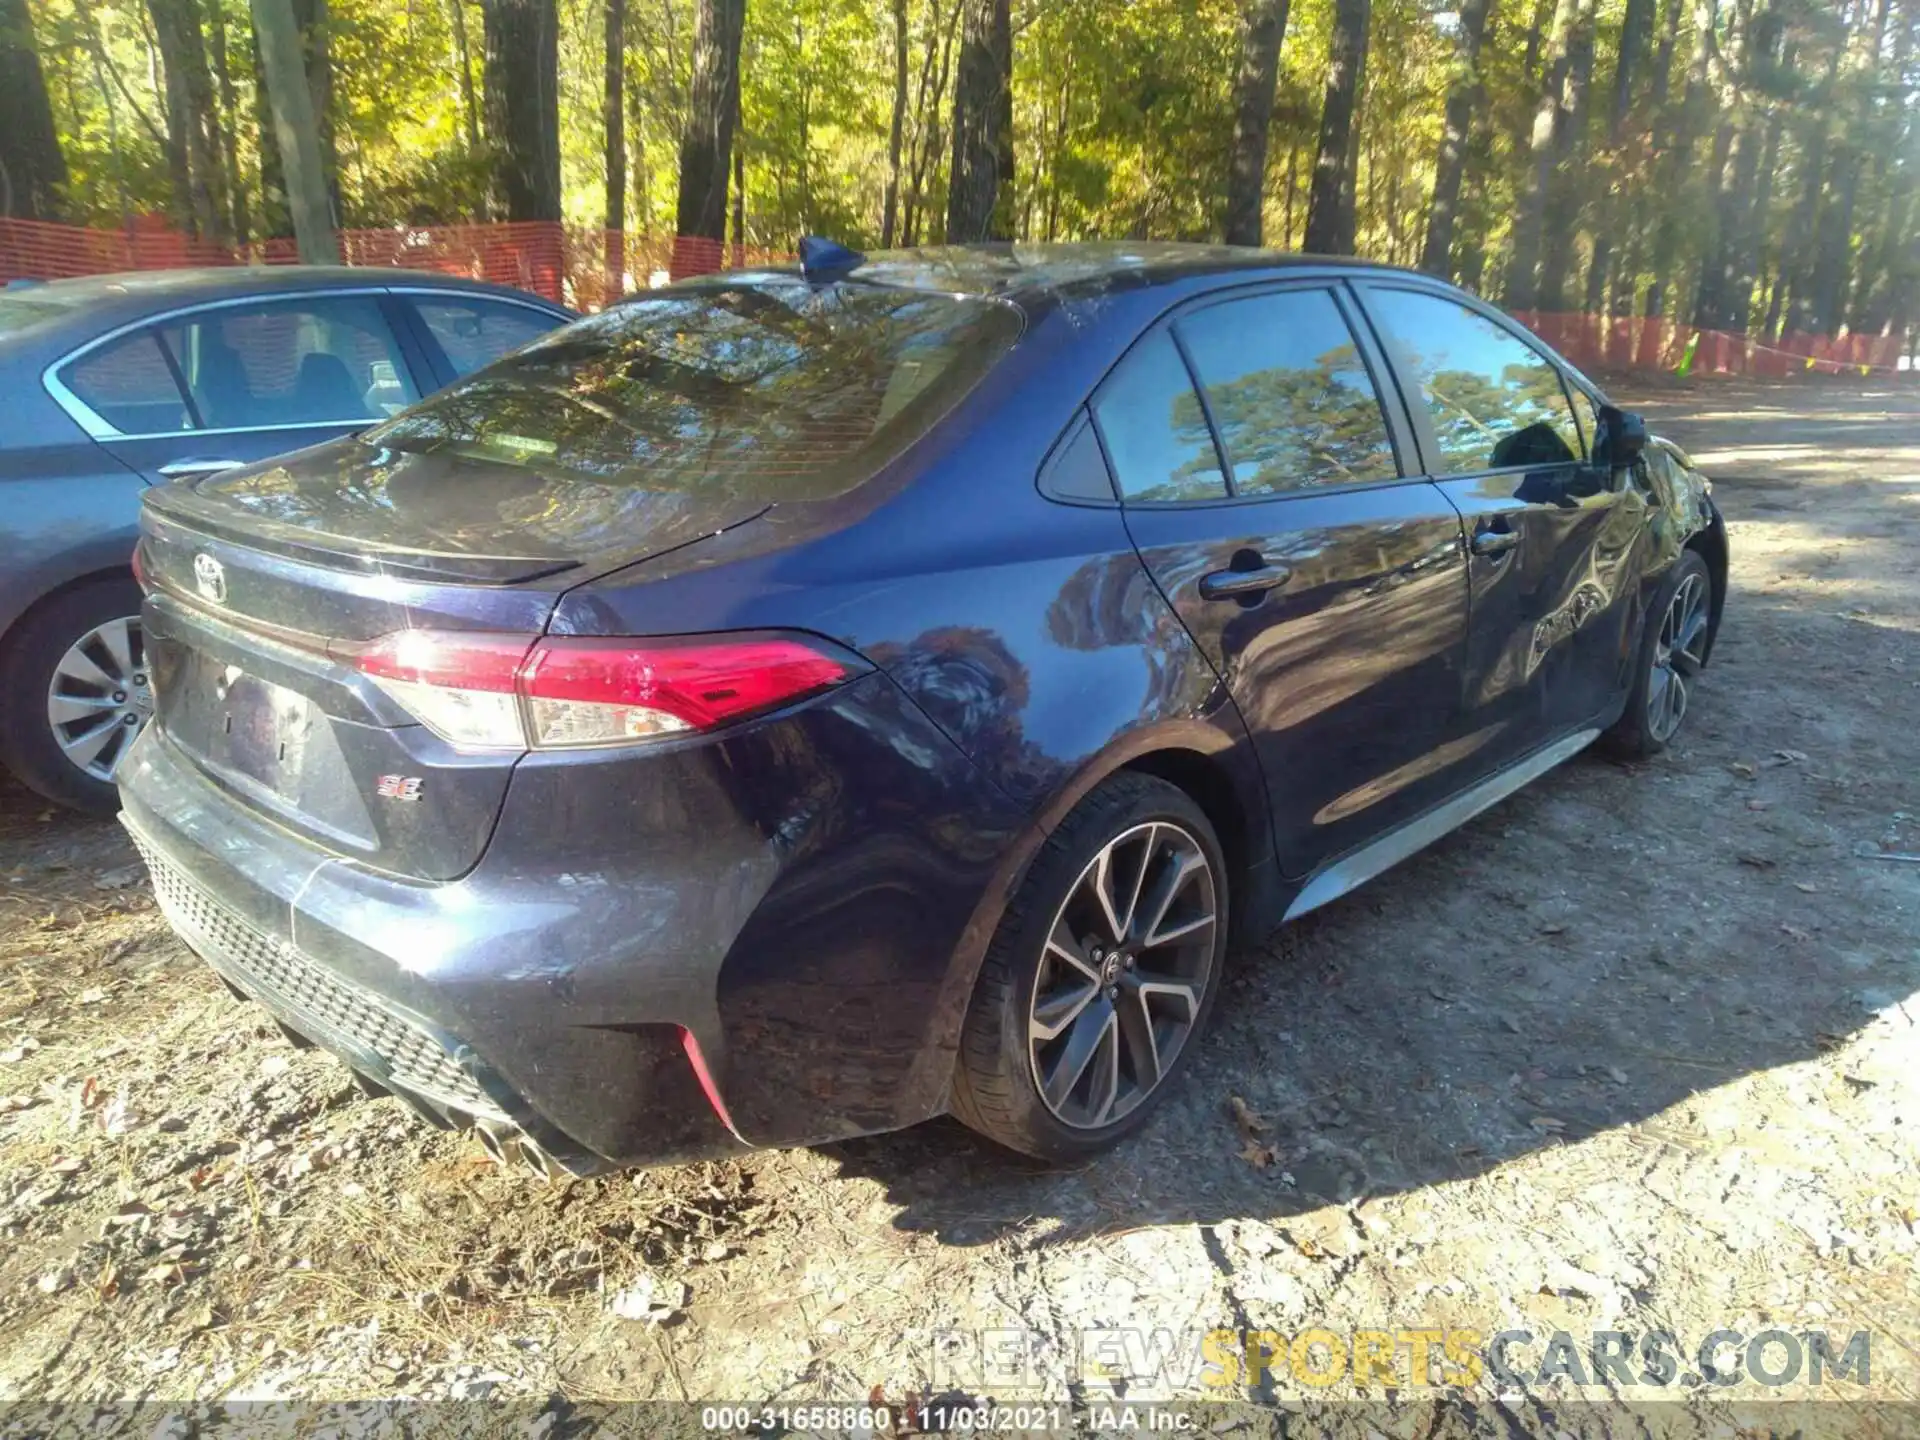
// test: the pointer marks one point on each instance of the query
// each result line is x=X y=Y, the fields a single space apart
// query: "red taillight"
x=490 y=691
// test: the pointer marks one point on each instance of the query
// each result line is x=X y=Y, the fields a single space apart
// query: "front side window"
x=1290 y=395
x=128 y=383
x=1155 y=431
x=1495 y=401
x=472 y=334
x=314 y=361
x=777 y=390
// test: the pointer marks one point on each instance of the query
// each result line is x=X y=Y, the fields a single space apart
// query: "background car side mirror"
x=1621 y=439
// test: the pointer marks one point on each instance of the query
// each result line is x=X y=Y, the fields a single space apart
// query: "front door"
x=1261 y=486
x=1553 y=541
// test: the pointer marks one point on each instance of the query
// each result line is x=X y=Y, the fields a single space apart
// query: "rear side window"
x=1290 y=395
x=1495 y=401
x=776 y=390
x=1155 y=431
x=314 y=361
x=129 y=384
x=472 y=334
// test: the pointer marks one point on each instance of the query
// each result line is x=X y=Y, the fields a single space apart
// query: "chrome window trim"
x=97 y=428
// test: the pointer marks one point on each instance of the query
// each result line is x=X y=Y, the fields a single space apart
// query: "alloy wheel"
x=1678 y=655
x=1123 y=975
x=101 y=697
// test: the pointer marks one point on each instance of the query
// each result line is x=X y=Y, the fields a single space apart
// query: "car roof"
x=1062 y=271
x=91 y=305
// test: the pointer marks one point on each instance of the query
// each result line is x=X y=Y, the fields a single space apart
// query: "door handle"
x=1494 y=542
x=181 y=469
x=1240 y=584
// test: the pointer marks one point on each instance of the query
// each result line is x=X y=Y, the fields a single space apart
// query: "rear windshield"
x=778 y=390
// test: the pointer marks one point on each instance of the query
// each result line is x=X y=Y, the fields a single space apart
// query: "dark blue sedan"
x=791 y=705
x=117 y=382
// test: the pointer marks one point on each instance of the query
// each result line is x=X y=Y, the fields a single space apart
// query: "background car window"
x=1495 y=402
x=1155 y=431
x=1290 y=396
x=128 y=385
x=475 y=333
x=307 y=362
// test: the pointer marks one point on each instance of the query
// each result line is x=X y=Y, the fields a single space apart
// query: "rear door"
x=461 y=333
x=1258 y=471
x=1555 y=543
x=226 y=384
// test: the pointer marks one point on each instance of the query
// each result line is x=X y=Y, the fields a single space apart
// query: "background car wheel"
x=1101 y=976
x=1673 y=648
x=74 y=692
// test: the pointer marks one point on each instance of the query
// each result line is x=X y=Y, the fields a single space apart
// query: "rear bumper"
x=790 y=897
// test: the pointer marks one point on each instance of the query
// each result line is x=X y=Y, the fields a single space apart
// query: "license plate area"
x=243 y=724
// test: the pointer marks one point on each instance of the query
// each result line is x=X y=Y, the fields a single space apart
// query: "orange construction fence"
x=586 y=268
x=581 y=266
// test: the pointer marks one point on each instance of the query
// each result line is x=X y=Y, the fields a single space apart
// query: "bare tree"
x=614 y=117
x=295 y=129
x=890 y=208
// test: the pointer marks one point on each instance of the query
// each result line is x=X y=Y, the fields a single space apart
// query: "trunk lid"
x=264 y=583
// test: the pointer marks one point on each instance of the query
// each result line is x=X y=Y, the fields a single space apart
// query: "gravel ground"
x=1637 y=1050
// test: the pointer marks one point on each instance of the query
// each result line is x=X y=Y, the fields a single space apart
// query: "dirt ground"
x=1638 y=1050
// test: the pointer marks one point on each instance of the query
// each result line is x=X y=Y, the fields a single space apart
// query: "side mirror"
x=1621 y=439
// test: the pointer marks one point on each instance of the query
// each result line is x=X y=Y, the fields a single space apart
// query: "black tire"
x=33 y=651
x=1637 y=734
x=995 y=1090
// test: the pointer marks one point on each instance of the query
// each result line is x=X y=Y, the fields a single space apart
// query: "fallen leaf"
x=1547 y=1122
x=13 y=1104
x=1250 y=1121
x=1795 y=931
x=1910 y=1217
x=67 y=1165
x=1742 y=769
x=92 y=995
x=17 y=1053
x=120 y=878
x=54 y=1281
x=1556 y=928
x=1257 y=1155
x=1805 y=889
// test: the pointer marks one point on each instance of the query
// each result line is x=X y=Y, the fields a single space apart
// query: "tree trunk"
x=613 y=116
x=1330 y=210
x=1529 y=225
x=1568 y=184
x=191 y=119
x=33 y=172
x=463 y=62
x=1674 y=165
x=1465 y=93
x=227 y=124
x=522 y=108
x=1636 y=29
x=276 y=219
x=316 y=39
x=295 y=130
x=713 y=106
x=896 y=132
x=1265 y=29
x=982 y=91
x=739 y=192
